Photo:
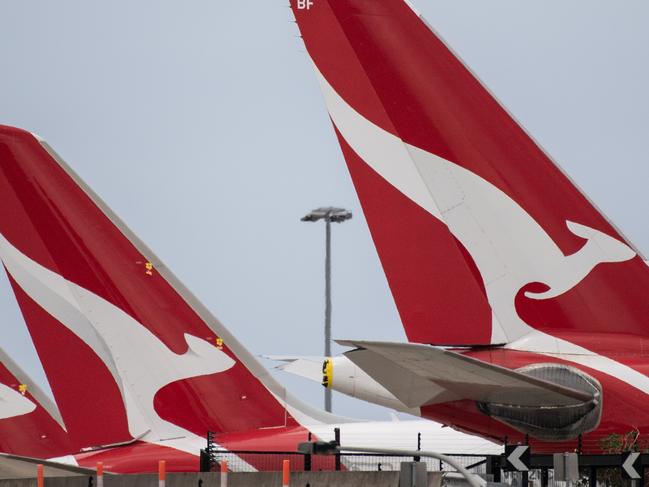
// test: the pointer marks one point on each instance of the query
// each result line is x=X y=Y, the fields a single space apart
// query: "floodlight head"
x=330 y=213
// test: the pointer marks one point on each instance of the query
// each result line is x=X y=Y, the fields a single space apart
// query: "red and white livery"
x=139 y=369
x=486 y=244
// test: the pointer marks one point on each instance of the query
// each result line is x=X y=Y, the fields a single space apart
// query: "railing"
x=241 y=461
x=601 y=470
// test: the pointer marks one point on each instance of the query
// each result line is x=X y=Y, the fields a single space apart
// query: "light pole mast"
x=327 y=330
x=337 y=215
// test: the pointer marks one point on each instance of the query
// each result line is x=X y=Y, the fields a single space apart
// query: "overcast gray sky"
x=201 y=124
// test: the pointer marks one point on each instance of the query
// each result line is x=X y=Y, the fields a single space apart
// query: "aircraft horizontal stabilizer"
x=307 y=367
x=419 y=375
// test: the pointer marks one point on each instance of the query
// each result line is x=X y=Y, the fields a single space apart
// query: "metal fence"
x=596 y=470
x=242 y=461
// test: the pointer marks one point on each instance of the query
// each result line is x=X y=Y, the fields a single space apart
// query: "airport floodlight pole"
x=329 y=215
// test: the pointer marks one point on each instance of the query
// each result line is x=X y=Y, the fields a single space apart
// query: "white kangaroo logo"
x=509 y=247
x=13 y=403
x=139 y=362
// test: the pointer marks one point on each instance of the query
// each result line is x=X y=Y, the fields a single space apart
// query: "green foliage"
x=621 y=443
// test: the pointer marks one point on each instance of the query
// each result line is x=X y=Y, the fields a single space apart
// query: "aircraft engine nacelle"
x=553 y=423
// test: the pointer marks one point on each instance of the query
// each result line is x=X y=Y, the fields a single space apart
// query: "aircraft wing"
x=17 y=467
x=419 y=375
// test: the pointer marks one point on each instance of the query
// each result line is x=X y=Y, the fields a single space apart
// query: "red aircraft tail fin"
x=30 y=424
x=481 y=236
x=122 y=342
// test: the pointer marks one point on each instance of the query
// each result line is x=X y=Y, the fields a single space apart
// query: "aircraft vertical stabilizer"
x=122 y=342
x=482 y=237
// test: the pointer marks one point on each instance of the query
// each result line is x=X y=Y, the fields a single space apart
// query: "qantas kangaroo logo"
x=13 y=403
x=129 y=350
x=509 y=247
